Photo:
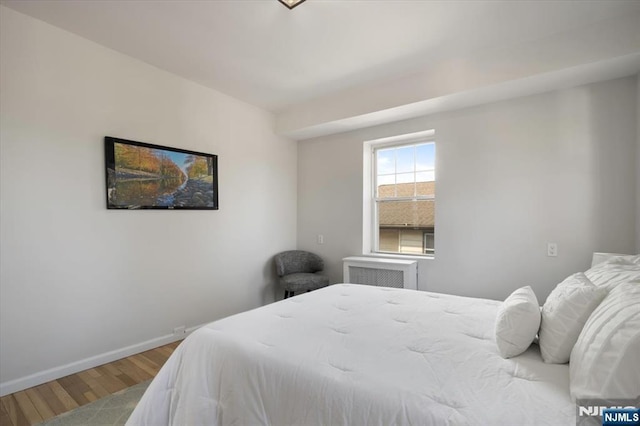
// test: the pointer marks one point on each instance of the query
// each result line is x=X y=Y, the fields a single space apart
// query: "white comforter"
x=356 y=355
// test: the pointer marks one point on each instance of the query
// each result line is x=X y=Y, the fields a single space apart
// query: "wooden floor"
x=40 y=403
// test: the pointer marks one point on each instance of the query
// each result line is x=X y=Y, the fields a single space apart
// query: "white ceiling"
x=261 y=52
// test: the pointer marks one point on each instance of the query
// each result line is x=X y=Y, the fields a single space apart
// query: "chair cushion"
x=303 y=281
x=295 y=261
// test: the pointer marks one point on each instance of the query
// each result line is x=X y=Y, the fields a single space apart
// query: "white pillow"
x=605 y=361
x=624 y=259
x=563 y=315
x=614 y=272
x=517 y=322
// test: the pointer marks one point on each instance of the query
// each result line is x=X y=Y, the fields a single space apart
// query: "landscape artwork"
x=146 y=176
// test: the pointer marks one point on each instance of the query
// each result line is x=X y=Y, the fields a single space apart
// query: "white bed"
x=357 y=355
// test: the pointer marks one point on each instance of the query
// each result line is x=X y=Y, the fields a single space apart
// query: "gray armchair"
x=298 y=269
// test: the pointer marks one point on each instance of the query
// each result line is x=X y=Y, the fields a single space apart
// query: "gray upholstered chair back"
x=296 y=261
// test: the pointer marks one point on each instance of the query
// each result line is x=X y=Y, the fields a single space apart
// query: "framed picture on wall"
x=144 y=176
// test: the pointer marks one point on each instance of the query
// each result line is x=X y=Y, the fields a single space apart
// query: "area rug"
x=112 y=410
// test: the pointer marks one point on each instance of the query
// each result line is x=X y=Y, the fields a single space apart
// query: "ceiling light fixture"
x=291 y=3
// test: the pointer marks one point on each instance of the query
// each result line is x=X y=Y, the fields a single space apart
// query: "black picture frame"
x=141 y=175
x=289 y=6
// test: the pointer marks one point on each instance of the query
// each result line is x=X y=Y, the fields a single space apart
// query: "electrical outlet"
x=320 y=239
x=552 y=249
x=180 y=330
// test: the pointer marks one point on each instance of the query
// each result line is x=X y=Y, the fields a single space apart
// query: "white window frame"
x=370 y=241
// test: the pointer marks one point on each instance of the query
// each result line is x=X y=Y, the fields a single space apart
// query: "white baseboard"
x=41 y=377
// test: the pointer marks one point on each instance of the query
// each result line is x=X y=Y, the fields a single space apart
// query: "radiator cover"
x=382 y=272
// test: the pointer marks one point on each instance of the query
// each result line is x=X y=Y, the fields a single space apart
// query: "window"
x=404 y=197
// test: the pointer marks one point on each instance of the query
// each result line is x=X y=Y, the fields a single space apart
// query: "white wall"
x=78 y=282
x=563 y=59
x=512 y=176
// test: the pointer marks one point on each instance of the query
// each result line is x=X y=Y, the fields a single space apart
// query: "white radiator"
x=381 y=272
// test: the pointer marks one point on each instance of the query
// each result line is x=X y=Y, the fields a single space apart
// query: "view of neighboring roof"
x=410 y=214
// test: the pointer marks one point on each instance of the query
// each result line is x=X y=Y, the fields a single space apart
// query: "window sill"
x=400 y=256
